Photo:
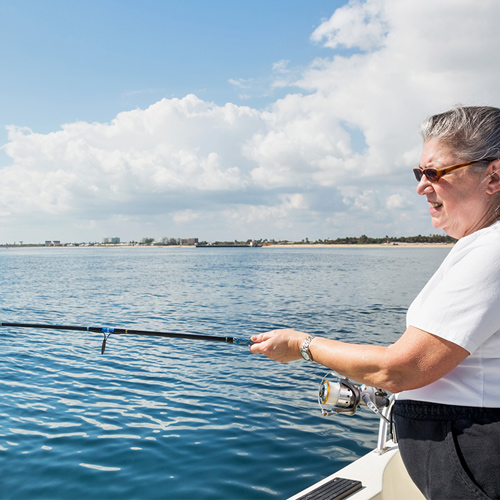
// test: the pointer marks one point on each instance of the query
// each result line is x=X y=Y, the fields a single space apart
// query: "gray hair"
x=473 y=132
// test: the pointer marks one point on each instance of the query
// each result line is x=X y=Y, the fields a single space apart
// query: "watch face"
x=305 y=355
x=304 y=350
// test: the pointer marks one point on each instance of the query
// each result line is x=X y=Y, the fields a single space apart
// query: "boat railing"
x=385 y=429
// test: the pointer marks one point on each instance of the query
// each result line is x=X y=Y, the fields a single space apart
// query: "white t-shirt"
x=461 y=303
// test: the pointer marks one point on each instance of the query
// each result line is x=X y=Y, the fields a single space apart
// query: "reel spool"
x=344 y=396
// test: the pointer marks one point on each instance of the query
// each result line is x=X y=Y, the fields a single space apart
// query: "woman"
x=445 y=368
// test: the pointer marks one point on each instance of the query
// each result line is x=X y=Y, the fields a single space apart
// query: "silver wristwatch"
x=304 y=350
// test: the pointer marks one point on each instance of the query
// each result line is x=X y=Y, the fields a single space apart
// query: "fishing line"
x=107 y=331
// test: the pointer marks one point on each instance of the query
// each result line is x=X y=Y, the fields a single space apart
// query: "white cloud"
x=281 y=66
x=367 y=200
x=185 y=216
x=226 y=171
x=174 y=145
x=241 y=83
x=358 y=25
x=396 y=201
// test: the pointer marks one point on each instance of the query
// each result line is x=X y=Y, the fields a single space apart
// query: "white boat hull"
x=383 y=477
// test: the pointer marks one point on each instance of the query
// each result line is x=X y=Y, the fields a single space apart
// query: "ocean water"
x=179 y=419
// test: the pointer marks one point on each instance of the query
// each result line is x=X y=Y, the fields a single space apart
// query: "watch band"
x=304 y=350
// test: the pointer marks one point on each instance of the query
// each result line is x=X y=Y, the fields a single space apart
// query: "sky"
x=223 y=119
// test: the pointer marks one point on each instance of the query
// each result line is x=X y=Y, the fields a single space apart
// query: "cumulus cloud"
x=395 y=201
x=178 y=145
x=344 y=139
x=361 y=25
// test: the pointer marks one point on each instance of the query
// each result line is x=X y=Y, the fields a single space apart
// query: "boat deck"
x=375 y=476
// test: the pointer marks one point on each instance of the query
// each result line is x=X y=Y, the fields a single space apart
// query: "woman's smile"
x=434 y=206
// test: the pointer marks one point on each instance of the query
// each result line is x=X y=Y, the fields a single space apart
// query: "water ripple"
x=151 y=415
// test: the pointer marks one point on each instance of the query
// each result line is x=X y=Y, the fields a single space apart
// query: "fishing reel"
x=345 y=396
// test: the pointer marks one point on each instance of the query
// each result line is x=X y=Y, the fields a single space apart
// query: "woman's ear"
x=493 y=172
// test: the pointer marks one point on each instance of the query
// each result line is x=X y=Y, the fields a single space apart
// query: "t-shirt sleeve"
x=462 y=305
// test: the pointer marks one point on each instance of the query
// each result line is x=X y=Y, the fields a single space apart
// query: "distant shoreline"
x=361 y=245
x=267 y=245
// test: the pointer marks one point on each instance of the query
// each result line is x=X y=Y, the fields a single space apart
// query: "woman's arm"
x=417 y=359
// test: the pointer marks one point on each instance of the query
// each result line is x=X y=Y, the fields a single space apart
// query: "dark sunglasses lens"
x=431 y=174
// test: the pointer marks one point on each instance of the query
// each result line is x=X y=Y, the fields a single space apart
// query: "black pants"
x=450 y=452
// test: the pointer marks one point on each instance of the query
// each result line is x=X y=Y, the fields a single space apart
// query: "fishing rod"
x=107 y=331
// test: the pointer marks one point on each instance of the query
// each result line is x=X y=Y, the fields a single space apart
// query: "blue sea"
x=157 y=418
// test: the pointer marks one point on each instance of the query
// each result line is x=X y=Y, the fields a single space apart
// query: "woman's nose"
x=423 y=185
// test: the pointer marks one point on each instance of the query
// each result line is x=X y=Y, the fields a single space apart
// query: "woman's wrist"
x=305 y=348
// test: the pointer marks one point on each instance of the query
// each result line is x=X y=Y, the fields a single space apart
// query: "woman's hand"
x=279 y=345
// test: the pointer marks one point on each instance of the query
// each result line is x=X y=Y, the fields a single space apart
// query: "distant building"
x=167 y=241
x=111 y=240
x=188 y=241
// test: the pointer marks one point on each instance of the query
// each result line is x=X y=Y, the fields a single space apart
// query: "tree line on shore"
x=366 y=240
x=348 y=240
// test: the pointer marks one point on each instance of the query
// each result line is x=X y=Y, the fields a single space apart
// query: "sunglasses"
x=433 y=175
